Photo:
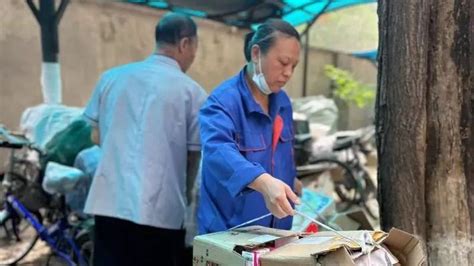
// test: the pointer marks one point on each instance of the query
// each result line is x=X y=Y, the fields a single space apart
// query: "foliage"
x=348 y=89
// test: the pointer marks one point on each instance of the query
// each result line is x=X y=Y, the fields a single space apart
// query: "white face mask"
x=259 y=79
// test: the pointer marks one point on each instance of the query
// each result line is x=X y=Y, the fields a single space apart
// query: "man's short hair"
x=173 y=27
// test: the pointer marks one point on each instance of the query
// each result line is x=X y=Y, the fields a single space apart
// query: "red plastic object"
x=312 y=228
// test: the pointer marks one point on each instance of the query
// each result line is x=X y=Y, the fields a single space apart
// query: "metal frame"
x=305 y=33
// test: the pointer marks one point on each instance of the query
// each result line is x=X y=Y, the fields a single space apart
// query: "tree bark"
x=425 y=124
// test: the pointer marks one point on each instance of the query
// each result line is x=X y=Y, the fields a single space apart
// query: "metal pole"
x=305 y=65
x=306 y=47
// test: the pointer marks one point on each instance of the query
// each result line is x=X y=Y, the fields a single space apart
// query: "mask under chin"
x=259 y=79
x=261 y=83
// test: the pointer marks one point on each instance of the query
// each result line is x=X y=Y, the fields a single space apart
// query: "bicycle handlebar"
x=12 y=140
x=362 y=137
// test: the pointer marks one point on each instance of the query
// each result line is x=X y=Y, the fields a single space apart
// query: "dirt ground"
x=38 y=256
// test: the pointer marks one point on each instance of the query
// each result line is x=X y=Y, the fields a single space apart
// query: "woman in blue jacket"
x=248 y=168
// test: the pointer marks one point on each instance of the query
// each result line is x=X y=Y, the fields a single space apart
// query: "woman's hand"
x=276 y=194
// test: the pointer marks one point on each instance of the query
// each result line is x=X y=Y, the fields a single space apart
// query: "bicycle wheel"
x=55 y=260
x=86 y=247
x=66 y=256
x=83 y=243
x=369 y=194
x=345 y=184
x=14 y=247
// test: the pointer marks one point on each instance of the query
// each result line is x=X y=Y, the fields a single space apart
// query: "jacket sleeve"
x=222 y=160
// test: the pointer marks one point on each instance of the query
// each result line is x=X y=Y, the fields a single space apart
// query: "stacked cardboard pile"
x=263 y=246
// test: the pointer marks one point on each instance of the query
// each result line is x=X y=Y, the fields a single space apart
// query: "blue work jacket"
x=239 y=143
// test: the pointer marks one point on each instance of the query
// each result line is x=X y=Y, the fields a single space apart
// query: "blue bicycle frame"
x=51 y=235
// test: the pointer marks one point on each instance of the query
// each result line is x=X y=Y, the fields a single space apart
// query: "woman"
x=248 y=168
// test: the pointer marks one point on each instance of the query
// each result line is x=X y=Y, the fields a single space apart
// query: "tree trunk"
x=425 y=124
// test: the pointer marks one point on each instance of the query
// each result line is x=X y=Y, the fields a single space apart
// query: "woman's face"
x=279 y=62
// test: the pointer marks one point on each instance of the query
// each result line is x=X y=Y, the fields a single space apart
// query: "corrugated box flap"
x=320 y=243
x=220 y=252
x=338 y=257
x=247 y=236
x=300 y=255
x=289 y=255
x=406 y=247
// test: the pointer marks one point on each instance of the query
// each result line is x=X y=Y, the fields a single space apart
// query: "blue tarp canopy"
x=247 y=13
x=369 y=55
x=298 y=12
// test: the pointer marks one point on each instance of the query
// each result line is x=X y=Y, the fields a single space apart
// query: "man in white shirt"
x=146 y=115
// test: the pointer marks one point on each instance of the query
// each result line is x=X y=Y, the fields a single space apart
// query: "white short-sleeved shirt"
x=147 y=115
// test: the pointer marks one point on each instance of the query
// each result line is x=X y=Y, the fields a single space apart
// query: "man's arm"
x=95 y=136
x=194 y=158
x=91 y=112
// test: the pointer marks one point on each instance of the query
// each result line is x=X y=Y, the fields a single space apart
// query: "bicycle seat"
x=345 y=143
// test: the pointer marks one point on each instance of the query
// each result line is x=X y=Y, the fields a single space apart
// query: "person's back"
x=144 y=140
x=146 y=115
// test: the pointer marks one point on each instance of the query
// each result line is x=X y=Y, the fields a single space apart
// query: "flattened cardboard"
x=352 y=220
x=361 y=217
x=330 y=249
x=318 y=244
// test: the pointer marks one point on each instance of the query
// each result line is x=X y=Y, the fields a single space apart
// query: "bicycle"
x=352 y=182
x=41 y=217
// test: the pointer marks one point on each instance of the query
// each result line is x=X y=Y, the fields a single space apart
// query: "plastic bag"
x=40 y=123
x=86 y=161
x=321 y=112
x=60 y=178
x=67 y=143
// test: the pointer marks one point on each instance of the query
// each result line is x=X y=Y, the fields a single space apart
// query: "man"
x=146 y=116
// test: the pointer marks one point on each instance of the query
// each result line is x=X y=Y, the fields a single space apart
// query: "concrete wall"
x=95 y=35
x=93 y=38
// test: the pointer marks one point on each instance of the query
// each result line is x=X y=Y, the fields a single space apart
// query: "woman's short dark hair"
x=265 y=35
x=173 y=27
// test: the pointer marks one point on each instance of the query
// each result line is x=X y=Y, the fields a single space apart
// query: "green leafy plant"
x=348 y=89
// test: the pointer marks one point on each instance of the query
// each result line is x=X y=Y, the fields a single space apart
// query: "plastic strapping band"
x=249 y=222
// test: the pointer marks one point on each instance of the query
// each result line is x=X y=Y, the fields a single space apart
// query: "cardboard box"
x=341 y=222
x=226 y=247
x=355 y=219
x=290 y=248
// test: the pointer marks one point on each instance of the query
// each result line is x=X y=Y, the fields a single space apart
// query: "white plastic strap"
x=328 y=228
x=249 y=222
